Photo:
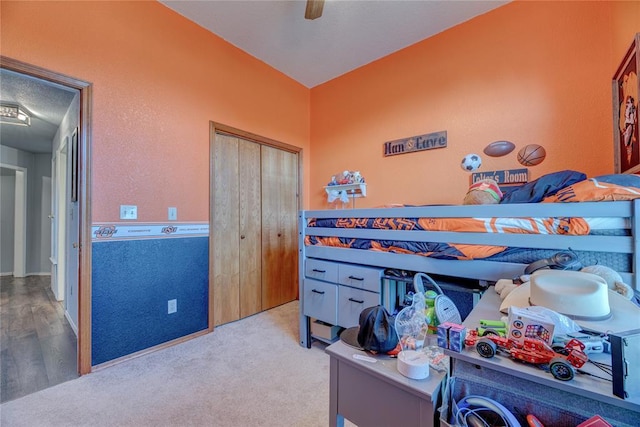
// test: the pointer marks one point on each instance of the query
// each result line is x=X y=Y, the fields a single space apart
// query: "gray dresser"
x=336 y=293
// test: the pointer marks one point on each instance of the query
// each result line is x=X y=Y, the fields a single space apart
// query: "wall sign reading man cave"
x=412 y=144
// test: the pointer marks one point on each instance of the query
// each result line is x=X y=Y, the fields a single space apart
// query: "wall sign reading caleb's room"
x=510 y=176
x=412 y=144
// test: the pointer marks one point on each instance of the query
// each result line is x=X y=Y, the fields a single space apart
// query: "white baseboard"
x=73 y=325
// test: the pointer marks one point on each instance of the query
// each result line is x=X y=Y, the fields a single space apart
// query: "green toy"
x=492 y=327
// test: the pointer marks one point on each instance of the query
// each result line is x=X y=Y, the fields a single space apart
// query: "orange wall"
x=528 y=72
x=625 y=24
x=158 y=79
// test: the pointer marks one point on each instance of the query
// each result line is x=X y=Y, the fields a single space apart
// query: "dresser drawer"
x=321 y=270
x=360 y=277
x=351 y=302
x=321 y=301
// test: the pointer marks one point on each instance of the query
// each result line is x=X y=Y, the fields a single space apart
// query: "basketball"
x=531 y=155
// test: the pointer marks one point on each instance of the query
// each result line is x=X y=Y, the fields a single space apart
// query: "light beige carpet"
x=252 y=372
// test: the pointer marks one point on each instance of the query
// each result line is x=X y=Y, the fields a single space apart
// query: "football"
x=471 y=162
x=499 y=148
x=531 y=155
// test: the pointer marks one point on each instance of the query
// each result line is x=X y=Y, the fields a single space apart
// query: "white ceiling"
x=348 y=35
x=46 y=102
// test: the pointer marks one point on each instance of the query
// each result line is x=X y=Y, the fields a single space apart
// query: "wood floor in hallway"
x=37 y=343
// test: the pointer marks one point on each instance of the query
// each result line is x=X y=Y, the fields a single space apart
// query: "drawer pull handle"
x=315 y=270
x=317 y=291
x=356 y=300
x=356 y=278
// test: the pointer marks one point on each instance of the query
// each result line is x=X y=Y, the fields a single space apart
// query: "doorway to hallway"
x=75 y=242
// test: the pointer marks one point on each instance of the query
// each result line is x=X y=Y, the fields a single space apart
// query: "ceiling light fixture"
x=12 y=114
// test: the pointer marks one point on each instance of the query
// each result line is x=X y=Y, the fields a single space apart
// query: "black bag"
x=377 y=331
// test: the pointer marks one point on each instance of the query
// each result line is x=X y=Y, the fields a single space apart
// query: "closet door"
x=250 y=229
x=279 y=226
x=224 y=237
x=237 y=250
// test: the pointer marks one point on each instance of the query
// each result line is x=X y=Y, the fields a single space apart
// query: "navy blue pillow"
x=545 y=186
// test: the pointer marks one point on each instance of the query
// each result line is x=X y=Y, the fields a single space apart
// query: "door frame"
x=214 y=128
x=19 y=220
x=84 y=198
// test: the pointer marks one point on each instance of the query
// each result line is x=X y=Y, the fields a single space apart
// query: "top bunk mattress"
x=480 y=233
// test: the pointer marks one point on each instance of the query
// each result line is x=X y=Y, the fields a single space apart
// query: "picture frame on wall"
x=626 y=90
x=74 y=166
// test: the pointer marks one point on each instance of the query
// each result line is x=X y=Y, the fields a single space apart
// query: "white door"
x=72 y=232
x=45 y=219
x=53 y=218
x=59 y=222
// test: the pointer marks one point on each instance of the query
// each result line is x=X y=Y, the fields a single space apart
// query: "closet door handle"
x=279 y=234
x=356 y=300
x=317 y=291
x=242 y=236
x=356 y=278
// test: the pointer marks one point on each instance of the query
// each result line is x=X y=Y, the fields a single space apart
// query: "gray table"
x=376 y=394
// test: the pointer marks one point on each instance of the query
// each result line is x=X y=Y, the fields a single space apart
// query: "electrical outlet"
x=173 y=214
x=172 y=306
x=128 y=212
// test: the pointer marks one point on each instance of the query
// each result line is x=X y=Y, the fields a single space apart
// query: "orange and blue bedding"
x=568 y=226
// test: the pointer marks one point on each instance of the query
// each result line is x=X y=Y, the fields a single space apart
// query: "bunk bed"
x=396 y=238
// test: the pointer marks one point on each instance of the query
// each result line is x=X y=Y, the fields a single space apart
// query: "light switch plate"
x=173 y=214
x=128 y=212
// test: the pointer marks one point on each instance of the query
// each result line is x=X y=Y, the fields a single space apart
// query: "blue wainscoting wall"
x=132 y=282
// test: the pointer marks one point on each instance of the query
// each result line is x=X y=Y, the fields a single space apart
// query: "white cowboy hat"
x=583 y=297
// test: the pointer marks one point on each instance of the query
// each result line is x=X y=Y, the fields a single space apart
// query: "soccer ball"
x=471 y=162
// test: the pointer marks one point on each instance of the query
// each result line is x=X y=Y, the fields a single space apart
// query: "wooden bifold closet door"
x=237 y=258
x=254 y=227
x=279 y=226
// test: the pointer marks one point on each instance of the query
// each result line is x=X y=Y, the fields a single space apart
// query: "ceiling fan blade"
x=314 y=9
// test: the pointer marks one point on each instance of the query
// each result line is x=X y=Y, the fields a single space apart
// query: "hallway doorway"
x=50 y=301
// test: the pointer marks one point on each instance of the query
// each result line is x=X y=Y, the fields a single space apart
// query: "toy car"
x=561 y=365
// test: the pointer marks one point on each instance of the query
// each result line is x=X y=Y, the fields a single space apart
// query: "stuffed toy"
x=504 y=287
x=346 y=177
x=483 y=192
x=613 y=279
